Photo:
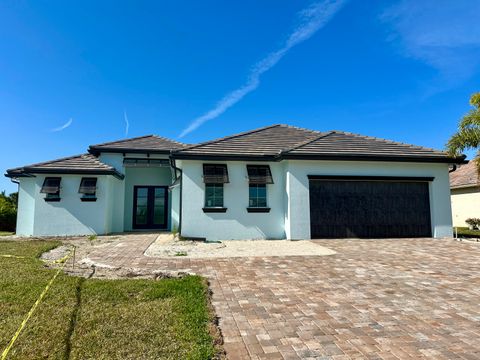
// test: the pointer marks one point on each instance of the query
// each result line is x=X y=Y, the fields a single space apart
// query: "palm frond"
x=467 y=138
x=472 y=119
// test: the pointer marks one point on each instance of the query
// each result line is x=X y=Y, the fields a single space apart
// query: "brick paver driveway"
x=374 y=299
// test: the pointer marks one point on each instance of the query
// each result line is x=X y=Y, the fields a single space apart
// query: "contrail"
x=64 y=126
x=311 y=19
x=127 y=124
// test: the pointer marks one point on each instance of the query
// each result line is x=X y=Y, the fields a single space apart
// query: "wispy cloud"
x=444 y=34
x=310 y=20
x=64 y=126
x=127 y=124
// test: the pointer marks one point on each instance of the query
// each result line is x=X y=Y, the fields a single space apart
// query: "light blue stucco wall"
x=298 y=213
x=26 y=206
x=236 y=223
x=289 y=199
x=175 y=207
x=69 y=216
x=112 y=212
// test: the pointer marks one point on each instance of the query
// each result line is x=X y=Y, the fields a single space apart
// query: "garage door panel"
x=369 y=209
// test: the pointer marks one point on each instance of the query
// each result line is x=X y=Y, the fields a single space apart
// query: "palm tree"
x=468 y=133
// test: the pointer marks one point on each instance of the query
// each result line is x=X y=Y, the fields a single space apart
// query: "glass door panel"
x=159 y=212
x=141 y=211
x=150 y=207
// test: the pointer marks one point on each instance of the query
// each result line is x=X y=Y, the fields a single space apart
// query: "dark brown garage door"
x=369 y=207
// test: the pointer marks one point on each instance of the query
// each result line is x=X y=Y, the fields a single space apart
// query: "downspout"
x=172 y=164
x=454 y=167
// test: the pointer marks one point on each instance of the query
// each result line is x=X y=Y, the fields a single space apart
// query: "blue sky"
x=71 y=71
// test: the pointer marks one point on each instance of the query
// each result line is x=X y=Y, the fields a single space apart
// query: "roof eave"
x=288 y=156
x=362 y=157
x=29 y=172
x=464 y=186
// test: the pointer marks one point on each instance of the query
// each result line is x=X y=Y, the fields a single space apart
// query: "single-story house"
x=465 y=193
x=276 y=182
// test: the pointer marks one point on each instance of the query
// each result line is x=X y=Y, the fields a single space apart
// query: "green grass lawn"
x=466 y=232
x=100 y=319
x=6 y=233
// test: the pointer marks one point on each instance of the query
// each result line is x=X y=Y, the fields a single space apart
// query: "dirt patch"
x=79 y=263
x=57 y=254
x=166 y=246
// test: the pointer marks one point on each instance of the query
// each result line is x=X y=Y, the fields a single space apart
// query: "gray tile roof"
x=284 y=142
x=148 y=143
x=465 y=176
x=270 y=140
x=78 y=164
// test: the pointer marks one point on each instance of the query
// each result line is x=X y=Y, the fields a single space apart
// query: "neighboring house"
x=465 y=193
x=270 y=183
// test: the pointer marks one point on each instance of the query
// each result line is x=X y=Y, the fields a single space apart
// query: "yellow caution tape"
x=13 y=256
x=32 y=310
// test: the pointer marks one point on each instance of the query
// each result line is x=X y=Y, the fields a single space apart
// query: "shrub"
x=474 y=222
x=8 y=215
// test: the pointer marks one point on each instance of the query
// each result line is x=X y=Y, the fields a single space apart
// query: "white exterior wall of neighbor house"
x=465 y=204
x=69 y=216
x=236 y=222
x=298 y=211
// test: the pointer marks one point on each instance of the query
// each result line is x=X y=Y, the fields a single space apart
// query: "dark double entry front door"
x=150 y=207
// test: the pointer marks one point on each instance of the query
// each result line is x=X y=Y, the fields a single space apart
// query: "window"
x=88 y=187
x=258 y=177
x=213 y=195
x=257 y=195
x=51 y=187
x=214 y=176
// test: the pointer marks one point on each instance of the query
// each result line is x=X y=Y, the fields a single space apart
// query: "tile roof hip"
x=148 y=143
x=83 y=163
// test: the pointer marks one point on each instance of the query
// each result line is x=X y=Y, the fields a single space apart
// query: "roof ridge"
x=56 y=160
x=299 y=128
x=387 y=141
x=309 y=141
x=168 y=139
x=228 y=137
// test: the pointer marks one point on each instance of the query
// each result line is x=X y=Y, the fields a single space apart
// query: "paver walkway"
x=374 y=299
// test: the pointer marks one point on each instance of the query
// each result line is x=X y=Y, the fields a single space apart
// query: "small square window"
x=88 y=187
x=213 y=195
x=257 y=195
